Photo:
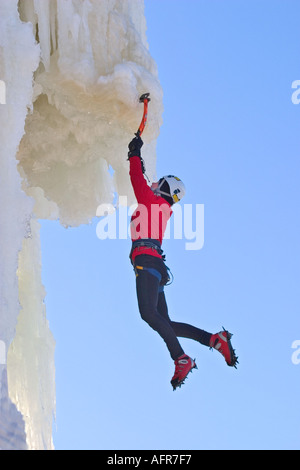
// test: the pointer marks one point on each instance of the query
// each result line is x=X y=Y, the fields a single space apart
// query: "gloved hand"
x=135 y=147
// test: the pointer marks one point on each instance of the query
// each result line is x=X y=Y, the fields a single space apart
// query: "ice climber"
x=148 y=224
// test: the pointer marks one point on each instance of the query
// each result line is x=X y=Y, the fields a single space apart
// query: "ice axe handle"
x=143 y=99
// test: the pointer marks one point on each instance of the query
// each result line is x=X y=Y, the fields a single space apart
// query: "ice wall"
x=73 y=71
x=95 y=65
x=19 y=57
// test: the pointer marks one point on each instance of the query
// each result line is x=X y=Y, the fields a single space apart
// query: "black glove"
x=135 y=150
x=135 y=147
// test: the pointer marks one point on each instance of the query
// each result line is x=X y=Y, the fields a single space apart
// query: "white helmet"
x=172 y=187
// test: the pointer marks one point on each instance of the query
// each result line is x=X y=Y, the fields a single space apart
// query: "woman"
x=148 y=224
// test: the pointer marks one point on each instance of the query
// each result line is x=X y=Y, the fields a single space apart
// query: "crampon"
x=183 y=366
x=221 y=342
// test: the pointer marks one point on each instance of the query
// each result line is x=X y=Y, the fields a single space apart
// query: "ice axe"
x=143 y=99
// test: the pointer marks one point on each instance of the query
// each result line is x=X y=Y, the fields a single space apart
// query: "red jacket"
x=150 y=218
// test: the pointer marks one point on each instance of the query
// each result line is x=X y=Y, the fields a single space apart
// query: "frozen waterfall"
x=72 y=71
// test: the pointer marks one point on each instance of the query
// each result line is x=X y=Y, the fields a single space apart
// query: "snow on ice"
x=73 y=71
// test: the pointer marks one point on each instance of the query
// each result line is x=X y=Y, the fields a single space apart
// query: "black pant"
x=151 y=276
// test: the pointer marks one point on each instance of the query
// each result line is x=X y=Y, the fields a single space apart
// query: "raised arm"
x=141 y=189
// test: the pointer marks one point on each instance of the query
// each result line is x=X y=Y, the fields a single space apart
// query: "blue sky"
x=231 y=132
